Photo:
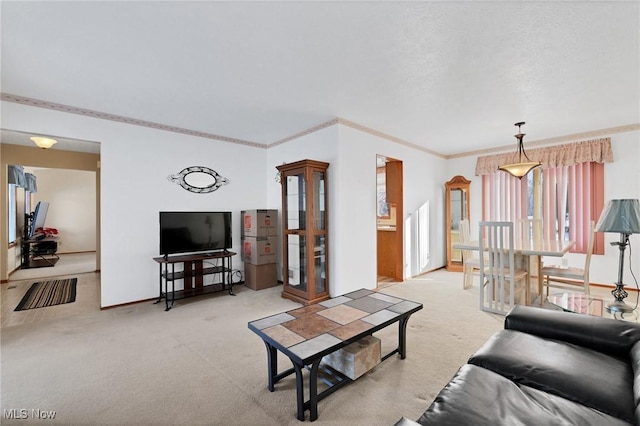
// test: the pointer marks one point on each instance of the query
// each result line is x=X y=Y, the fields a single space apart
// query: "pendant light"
x=520 y=169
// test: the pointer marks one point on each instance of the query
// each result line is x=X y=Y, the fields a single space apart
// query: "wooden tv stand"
x=192 y=273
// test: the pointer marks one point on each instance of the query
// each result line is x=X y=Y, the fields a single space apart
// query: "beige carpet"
x=199 y=364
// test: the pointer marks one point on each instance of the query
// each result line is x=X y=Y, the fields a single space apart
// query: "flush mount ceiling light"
x=520 y=169
x=44 y=142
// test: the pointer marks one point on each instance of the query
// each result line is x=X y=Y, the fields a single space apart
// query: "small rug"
x=49 y=293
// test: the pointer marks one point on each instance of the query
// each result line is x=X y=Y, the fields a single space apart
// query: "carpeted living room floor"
x=199 y=364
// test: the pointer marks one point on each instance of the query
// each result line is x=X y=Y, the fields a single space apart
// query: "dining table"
x=529 y=251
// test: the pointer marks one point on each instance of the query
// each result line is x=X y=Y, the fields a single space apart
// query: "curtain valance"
x=16 y=176
x=597 y=150
x=31 y=179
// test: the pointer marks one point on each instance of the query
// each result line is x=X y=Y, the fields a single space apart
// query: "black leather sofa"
x=546 y=368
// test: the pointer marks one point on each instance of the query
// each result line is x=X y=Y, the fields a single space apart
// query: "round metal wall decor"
x=199 y=179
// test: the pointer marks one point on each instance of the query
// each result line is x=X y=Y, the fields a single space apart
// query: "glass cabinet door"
x=297 y=265
x=457 y=209
x=296 y=203
x=319 y=230
x=456 y=205
x=295 y=216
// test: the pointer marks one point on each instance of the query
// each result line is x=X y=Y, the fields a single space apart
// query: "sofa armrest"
x=605 y=335
x=406 y=422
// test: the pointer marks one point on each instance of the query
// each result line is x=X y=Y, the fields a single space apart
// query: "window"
x=27 y=202
x=572 y=196
x=12 y=213
x=423 y=236
x=567 y=194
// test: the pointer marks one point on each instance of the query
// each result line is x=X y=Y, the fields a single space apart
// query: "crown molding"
x=136 y=122
x=23 y=100
x=388 y=137
x=305 y=132
x=359 y=127
x=593 y=134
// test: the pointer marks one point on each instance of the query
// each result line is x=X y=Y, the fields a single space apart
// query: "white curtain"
x=504 y=197
x=554 y=193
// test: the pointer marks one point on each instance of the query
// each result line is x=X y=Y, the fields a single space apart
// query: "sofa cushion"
x=588 y=377
x=477 y=396
x=605 y=335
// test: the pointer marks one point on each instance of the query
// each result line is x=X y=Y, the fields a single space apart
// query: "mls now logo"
x=23 y=413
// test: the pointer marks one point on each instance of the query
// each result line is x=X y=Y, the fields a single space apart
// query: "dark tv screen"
x=39 y=217
x=186 y=232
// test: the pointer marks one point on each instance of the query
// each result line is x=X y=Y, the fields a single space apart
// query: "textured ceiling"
x=449 y=76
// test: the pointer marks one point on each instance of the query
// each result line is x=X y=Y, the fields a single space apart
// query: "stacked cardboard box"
x=259 y=245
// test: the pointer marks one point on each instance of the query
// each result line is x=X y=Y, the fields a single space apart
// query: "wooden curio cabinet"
x=305 y=245
x=457 y=208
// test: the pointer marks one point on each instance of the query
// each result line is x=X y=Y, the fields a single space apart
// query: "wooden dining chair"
x=498 y=274
x=569 y=278
x=470 y=262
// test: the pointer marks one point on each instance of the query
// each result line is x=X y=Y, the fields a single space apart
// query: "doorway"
x=57 y=168
x=70 y=196
x=389 y=221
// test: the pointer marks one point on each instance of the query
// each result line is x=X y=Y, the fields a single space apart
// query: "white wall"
x=135 y=163
x=352 y=197
x=423 y=180
x=72 y=206
x=622 y=180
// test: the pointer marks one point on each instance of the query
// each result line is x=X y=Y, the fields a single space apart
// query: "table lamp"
x=621 y=216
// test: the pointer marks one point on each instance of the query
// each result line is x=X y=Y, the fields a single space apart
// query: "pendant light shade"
x=520 y=169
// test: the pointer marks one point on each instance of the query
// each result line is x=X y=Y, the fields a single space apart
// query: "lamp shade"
x=621 y=216
x=519 y=170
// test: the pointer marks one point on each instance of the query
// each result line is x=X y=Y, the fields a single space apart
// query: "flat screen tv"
x=39 y=216
x=190 y=232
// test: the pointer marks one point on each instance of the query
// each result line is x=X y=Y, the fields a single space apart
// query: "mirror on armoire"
x=456 y=209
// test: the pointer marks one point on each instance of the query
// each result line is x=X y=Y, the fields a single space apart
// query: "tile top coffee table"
x=307 y=334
